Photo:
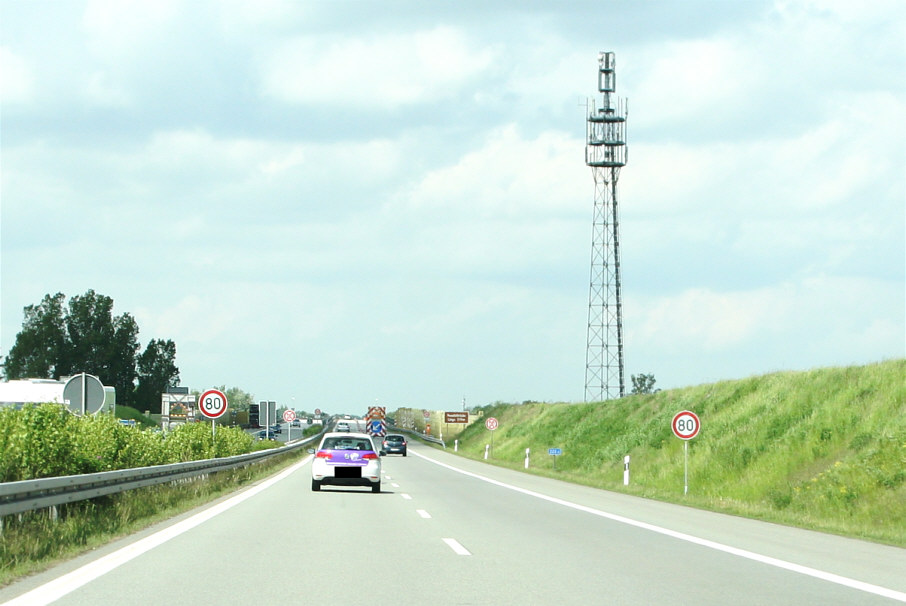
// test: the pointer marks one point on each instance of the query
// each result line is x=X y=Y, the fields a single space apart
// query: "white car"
x=346 y=459
x=342 y=426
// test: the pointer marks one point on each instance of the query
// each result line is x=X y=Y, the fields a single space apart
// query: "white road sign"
x=212 y=403
x=686 y=425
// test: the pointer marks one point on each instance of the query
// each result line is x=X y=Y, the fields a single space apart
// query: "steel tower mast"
x=605 y=153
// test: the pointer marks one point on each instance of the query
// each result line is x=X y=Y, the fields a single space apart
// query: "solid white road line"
x=812 y=572
x=56 y=589
x=456 y=547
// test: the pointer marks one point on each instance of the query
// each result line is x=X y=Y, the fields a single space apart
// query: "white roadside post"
x=456 y=445
x=526 y=458
x=486 y=447
x=626 y=470
x=686 y=426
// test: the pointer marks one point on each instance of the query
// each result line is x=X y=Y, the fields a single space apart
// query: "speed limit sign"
x=686 y=425
x=213 y=403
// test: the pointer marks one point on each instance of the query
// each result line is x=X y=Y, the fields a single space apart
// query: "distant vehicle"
x=342 y=426
x=277 y=428
x=395 y=443
x=346 y=459
x=296 y=423
x=267 y=434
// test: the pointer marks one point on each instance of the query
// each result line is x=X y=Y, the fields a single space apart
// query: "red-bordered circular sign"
x=491 y=423
x=212 y=403
x=686 y=425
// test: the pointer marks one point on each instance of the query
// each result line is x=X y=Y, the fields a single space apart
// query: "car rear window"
x=396 y=439
x=346 y=444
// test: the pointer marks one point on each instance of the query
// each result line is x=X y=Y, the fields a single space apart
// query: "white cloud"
x=376 y=72
x=846 y=319
x=687 y=81
x=17 y=81
x=508 y=177
x=118 y=29
x=100 y=91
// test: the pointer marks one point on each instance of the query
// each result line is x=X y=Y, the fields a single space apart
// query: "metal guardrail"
x=28 y=495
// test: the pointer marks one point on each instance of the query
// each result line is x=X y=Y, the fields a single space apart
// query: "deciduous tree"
x=156 y=372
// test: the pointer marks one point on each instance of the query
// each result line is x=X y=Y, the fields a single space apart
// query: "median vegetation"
x=48 y=441
x=823 y=449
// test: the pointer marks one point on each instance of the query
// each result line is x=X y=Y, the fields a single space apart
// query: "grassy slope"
x=823 y=449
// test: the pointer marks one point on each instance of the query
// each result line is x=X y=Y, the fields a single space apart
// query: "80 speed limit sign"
x=686 y=425
x=212 y=403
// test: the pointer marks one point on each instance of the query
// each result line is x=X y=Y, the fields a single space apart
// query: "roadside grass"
x=823 y=449
x=34 y=541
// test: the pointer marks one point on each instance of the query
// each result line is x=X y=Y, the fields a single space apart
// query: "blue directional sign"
x=554 y=451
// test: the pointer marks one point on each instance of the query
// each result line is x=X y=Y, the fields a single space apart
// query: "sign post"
x=491 y=424
x=455 y=417
x=289 y=416
x=686 y=426
x=555 y=452
x=213 y=404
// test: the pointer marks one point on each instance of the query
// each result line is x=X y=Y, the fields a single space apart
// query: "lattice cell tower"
x=605 y=153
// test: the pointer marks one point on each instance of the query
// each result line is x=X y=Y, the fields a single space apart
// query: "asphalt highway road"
x=445 y=530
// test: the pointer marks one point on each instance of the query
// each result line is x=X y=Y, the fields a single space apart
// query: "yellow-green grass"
x=823 y=449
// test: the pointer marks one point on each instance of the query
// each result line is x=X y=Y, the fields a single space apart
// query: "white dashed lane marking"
x=456 y=547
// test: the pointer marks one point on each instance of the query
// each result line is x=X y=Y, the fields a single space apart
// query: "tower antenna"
x=605 y=153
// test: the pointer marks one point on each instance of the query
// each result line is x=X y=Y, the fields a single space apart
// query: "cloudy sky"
x=332 y=204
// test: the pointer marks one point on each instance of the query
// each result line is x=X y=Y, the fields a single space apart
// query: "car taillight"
x=322 y=454
x=369 y=455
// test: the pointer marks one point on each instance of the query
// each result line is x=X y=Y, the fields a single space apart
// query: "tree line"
x=57 y=340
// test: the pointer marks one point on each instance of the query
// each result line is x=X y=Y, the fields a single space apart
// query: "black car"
x=267 y=434
x=394 y=443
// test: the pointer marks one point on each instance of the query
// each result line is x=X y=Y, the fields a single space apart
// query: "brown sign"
x=456 y=417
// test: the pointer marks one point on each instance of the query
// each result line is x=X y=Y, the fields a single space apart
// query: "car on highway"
x=342 y=426
x=346 y=459
x=267 y=434
x=277 y=428
x=394 y=443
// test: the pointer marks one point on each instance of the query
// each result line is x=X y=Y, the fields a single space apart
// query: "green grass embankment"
x=823 y=449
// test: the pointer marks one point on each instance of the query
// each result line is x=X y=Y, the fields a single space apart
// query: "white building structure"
x=39 y=391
